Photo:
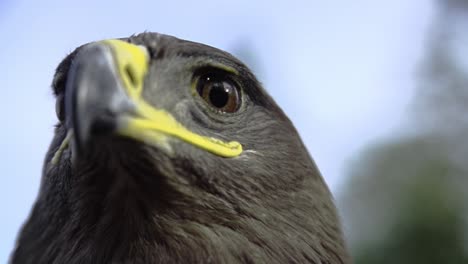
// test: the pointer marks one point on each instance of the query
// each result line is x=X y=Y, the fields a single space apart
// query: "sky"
x=341 y=70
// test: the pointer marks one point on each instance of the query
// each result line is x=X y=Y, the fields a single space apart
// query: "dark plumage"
x=108 y=198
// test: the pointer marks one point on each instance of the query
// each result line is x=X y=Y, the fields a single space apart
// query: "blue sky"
x=342 y=70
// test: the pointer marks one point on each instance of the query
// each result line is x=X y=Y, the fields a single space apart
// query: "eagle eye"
x=219 y=92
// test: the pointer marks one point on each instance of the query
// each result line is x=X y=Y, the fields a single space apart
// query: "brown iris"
x=219 y=92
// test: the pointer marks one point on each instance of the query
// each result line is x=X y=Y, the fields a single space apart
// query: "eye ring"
x=219 y=92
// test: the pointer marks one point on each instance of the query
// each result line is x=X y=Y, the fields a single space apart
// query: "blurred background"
x=377 y=89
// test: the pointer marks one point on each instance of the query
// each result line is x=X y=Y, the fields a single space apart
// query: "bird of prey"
x=170 y=151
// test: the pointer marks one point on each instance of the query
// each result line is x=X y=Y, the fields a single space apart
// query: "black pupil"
x=219 y=95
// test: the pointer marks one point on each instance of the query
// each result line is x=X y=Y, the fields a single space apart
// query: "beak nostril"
x=130 y=72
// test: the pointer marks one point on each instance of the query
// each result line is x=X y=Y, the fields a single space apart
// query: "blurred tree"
x=403 y=204
x=405 y=199
x=443 y=89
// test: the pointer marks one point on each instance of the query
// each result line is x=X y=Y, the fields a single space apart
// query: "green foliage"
x=428 y=227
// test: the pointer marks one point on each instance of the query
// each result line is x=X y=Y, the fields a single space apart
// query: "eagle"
x=171 y=151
